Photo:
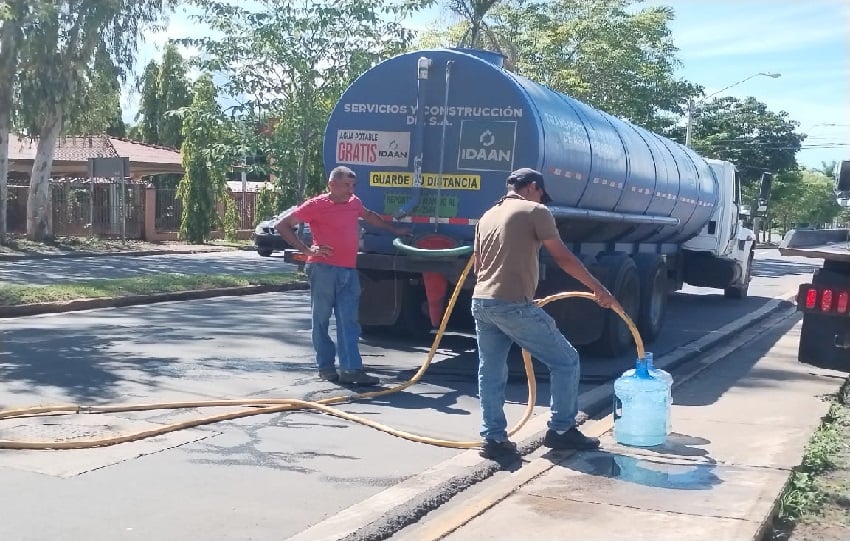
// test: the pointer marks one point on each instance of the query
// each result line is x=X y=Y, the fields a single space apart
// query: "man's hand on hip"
x=320 y=250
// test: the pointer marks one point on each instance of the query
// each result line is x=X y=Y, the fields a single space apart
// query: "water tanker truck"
x=432 y=136
x=825 y=302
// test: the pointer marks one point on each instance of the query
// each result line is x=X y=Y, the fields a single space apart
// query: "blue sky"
x=720 y=43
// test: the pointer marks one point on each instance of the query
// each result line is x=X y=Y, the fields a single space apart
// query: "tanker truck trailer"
x=432 y=136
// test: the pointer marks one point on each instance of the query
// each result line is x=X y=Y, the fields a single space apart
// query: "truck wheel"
x=264 y=252
x=413 y=321
x=817 y=342
x=740 y=291
x=652 y=272
x=623 y=282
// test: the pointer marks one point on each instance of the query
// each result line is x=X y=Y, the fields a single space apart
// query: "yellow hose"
x=264 y=406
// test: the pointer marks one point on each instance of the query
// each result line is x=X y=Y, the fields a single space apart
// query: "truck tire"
x=817 y=342
x=412 y=321
x=264 y=252
x=740 y=291
x=623 y=282
x=652 y=272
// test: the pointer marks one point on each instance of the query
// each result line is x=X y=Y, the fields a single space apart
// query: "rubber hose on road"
x=274 y=405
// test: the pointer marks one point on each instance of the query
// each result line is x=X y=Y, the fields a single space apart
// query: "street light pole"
x=691 y=107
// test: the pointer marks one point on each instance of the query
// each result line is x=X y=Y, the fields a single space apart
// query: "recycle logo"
x=487 y=138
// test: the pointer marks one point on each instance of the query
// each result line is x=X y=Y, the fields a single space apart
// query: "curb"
x=599 y=398
x=135 y=300
x=388 y=512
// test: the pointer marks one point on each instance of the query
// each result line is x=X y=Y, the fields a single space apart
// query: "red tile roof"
x=72 y=154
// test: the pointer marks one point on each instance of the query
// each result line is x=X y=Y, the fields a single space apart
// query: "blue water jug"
x=641 y=407
x=664 y=376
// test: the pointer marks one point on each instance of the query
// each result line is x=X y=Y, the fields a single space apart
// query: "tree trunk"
x=38 y=202
x=8 y=45
x=4 y=167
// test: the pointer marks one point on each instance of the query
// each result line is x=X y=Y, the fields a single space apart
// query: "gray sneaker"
x=357 y=377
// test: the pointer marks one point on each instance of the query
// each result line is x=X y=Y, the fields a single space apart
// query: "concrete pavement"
x=737 y=433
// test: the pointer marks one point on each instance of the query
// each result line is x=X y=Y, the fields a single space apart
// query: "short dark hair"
x=524 y=177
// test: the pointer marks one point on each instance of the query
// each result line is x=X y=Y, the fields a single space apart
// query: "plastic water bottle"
x=664 y=376
x=641 y=407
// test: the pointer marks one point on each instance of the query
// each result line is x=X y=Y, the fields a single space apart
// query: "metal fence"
x=109 y=209
x=99 y=209
x=16 y=209
x=169 y=209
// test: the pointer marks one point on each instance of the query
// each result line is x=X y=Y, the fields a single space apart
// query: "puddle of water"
x=652 y=474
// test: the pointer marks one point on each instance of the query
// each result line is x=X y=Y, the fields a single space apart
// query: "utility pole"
x=690 y=122
x=244 y=179
x=692 y=107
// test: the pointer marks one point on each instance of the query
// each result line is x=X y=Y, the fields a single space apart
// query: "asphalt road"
x=263 y=477
x=72 y=269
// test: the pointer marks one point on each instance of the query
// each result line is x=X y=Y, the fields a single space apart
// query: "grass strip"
x=804 y=496
x=15 y=295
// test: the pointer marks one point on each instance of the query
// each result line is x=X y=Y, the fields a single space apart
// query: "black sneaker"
x=328 y=375
x=571 y=439
x=494 y=450
x=357 y=377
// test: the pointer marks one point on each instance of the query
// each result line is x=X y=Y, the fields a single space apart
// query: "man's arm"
x=286 y=228
x=574 y=267
x=373 y=218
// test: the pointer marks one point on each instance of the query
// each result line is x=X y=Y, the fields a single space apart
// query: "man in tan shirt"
x=507 y=246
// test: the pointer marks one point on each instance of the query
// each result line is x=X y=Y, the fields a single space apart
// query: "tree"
x=59 y=50
x=803 y=196
x=149 y=109
x=291 y=61
x=12 y=15
x=474 y=13
x=828 y=168
x=174 y=94
x=205 y=166
x=593 y=50
x=164 y=90
x=818 y=204
x=746 y=133
x=96 y=106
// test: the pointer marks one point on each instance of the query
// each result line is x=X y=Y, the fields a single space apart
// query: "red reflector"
x=826 y=300
x=811 y=298
x=841 y=305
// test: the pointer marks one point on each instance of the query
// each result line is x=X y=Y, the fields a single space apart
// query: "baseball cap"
x=525 y=176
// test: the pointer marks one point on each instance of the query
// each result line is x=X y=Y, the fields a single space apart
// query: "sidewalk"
x=739 y=429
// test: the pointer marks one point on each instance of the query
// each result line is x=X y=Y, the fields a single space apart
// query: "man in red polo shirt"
x=332 y=274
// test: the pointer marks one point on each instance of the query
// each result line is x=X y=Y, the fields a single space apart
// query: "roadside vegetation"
x=16 y=295
x=816 y=503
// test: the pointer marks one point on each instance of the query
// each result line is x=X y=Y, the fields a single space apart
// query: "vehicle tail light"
x=826 y=300
x=841 y=305
x=811 y=298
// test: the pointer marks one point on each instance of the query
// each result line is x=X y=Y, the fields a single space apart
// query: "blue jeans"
x=498 y=324
x=335 y=290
